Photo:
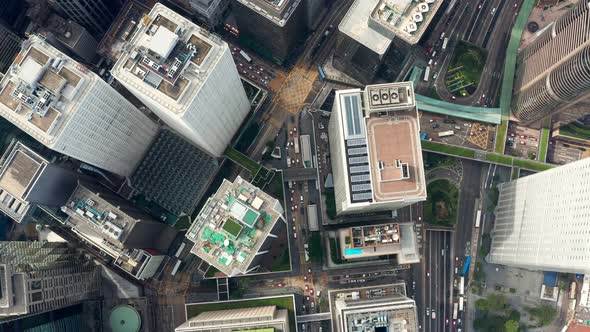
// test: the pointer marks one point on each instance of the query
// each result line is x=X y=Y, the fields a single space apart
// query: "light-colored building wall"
x=553 y=72
x=543 y=221
x=238 y=319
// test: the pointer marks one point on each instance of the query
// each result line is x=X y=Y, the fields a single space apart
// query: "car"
x=456 y=258
x=280 y=284
x=435 y=63
x=244 y=72
x=311 y=291
x=453 y=97
x=432 y=120
x=480 y=5
x=435 y=74
x=253 y=77
x=459 y=320
x=428 y=274
x=250 y=67
x=295 y=235
x=515 y=5
x=466 y=125
x=493 y=11
x=306 y=287
x=309 y=270
x=257 y=72
x=241 y=64
x=307 y=298
x=522 y=142
x=427 y=311
x=321 y=125
x=454 y=322
x=294 y=228
x=235 y=49
x=523 y=136
x=446 y=320
x=304 y=278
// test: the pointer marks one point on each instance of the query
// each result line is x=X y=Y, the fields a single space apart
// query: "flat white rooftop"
x=355 y=24
x=41 y=89
x=168 y=58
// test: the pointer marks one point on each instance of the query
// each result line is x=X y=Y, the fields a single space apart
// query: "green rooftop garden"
x=232 y=228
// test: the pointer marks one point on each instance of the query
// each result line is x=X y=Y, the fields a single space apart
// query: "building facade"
x=187 y=77
x=94 y=15
x=10 y=45
x=542 y=221
x=375 y=148
x=73 y=111
x=264 y=318
x=38 y=276
x=553 y=71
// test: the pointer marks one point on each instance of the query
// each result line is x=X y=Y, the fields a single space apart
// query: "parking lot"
x=455 y=131
x=256 y=70
x=522 y=141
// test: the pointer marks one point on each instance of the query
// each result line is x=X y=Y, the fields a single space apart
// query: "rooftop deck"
x=40 y=89
x=233 y=224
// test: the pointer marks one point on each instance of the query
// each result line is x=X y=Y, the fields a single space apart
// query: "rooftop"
x=375 y=23
x=373 y=309
x=406 y=19
x=20 y=167
x=381 y=140
x=41 y=89
x=232 y=226
x=378 y=240
x=167 y=57
x=277 y=11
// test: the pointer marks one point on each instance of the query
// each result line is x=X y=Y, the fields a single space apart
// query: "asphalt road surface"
x=438 y=267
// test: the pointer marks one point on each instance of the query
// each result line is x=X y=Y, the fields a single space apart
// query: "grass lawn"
x=232 y=227
x=335 y=252
x=575 y=130
x=499 y=158
x=543 y=144
x=448 y=149
x=436 y=160
x=315 y=247
x=442 y=202
x=472 y=58
x=501 y=137
x=531 y=165
x=211 y=272
x=284 y=302
x=242 y=160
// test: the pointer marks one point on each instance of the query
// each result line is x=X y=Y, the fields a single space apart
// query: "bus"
x=461 y=286
x=246 y=57
x=446 y=133
x=455 y=311
x=296 y=144
x=460 y=303
x=322 y=74
x=426 y=73
x=423 y=136
x=466 y=266
x=445 y=42
x=477 y=218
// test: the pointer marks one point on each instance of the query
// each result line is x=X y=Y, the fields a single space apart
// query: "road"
x=436 y=295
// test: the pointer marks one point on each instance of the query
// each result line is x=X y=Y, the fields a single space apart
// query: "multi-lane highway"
x=437 y=262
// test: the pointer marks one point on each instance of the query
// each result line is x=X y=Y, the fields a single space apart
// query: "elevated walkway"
x=480 y=114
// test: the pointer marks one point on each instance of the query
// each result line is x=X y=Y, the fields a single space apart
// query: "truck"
x=446 y=133
x=477 y=218
x=462 y=286
x=426 y=74
x=455 y=310
x=461 y=303
x=296 y=144
x=246 y=56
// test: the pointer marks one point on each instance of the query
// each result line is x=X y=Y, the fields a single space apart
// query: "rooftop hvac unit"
x=375 y=98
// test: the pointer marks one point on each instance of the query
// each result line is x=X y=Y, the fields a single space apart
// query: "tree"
x=512 y=326
x=542 y=314
x=494 y=302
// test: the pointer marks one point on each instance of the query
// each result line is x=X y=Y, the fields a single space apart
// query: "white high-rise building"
x=73 y=111
x=187 y=77
x=543 y=221
x=375 y=147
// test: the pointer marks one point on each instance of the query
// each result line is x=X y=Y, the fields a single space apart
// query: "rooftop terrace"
x=40 y=89
x=165 y=54
x=383 y=153
x=232 y=225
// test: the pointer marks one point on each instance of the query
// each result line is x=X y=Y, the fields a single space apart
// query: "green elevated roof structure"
x=124 y=318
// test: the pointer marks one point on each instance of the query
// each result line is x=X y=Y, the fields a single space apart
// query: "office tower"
x=264 y=318
x=10 y=45
x=380 y=240
x=174 y=174
x=27 y=179
x=231 y=230
x=542 y=220
x=375 y=308
x=375 y=149
x=553 y=71
x=209 y=11
x=69 y=109
x=42 y=276
x=271 y=28
x=133 y=239
x=371 y=27
x=187 y=77
x=94 y=15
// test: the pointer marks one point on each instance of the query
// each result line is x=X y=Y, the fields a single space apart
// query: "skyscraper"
x=42 y=276
x=71 y=110
x=375 y=149
x=94 y=15
x=211 y=11
x=27 y=179
x=543 y=220
x=10 y=45
x=187 y=77
x=264 y=318
x=553 y=71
